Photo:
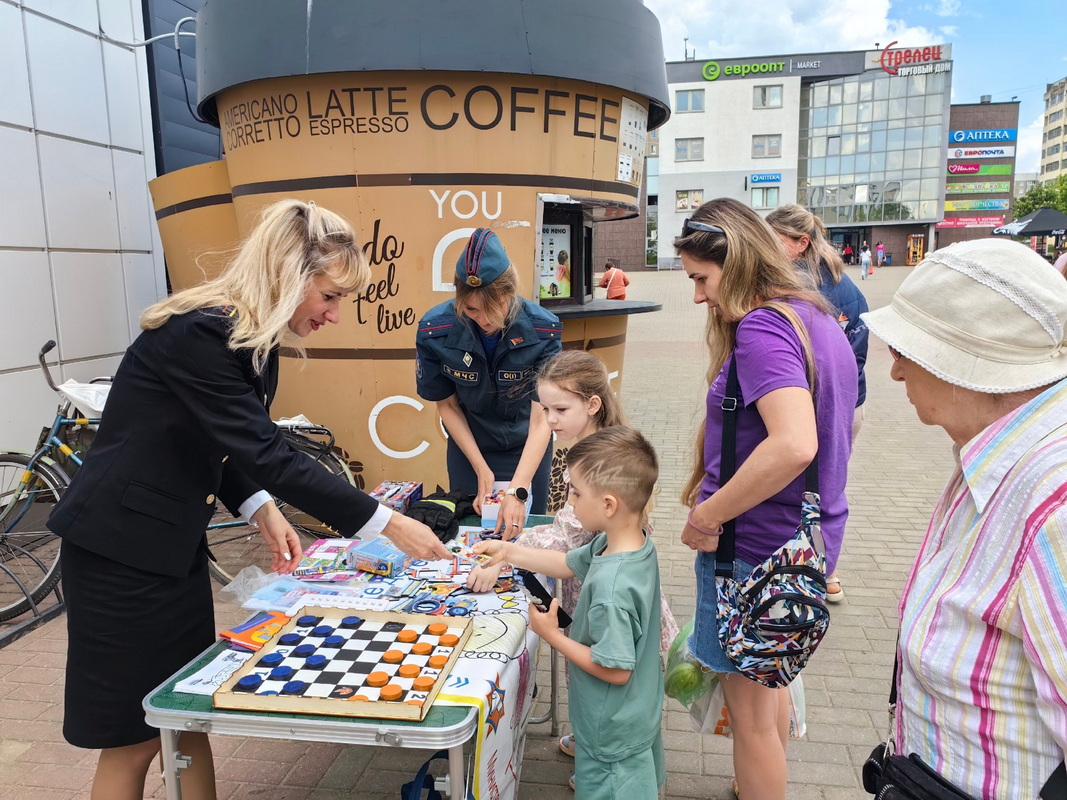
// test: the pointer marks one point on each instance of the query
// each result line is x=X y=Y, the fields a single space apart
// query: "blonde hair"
x=795 y=221
x=270 y=274
x=755 y=274
x=499 y=299
x=619 y=461
x=585 y=375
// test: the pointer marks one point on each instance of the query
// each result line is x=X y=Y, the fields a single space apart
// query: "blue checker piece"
x=271 y=659
x=290 y=638
x=317 y=661
x=322 y=630
x=249 y=683
x=294 y=687
x=308 y=620
x=351 y=622
x=281 y=673
x=304 y=650
x=333 y=641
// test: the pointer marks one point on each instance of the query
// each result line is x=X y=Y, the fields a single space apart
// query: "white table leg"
x=169 y=751
x=456 y=778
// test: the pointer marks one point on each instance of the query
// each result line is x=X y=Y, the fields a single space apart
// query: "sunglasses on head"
x=689 y=226
x=895 y=353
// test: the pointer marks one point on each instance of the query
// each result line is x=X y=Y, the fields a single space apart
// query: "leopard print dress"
x=565 y=533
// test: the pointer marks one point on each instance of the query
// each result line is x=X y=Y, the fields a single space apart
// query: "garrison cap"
x=483 y=260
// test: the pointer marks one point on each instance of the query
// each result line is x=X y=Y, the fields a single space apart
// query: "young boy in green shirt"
x=616 y=694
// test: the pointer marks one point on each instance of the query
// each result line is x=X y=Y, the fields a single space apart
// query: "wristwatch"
x=519 y=493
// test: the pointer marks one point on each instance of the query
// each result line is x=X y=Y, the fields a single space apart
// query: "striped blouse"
x=982 y=694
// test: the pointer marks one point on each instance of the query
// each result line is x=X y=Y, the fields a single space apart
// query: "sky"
x=1001 y=49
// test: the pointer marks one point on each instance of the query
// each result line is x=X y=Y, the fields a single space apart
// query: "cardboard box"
x=379 y=556
x=491 y=504
x=398 y=495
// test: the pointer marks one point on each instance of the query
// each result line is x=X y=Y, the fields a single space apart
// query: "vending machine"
x=916 y=249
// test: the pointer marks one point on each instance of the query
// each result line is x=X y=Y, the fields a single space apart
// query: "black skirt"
x=127 y=632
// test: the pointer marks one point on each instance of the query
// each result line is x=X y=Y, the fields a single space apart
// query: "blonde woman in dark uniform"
x=187 y=422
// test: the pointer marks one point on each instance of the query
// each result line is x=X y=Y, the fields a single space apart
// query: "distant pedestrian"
x=847 y=254
x=1061 y=262
x=615 y=281
x=879 y=253
x=866 y=270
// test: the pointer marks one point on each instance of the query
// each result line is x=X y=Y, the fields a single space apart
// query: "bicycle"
x=234 y=544
x=30 y=486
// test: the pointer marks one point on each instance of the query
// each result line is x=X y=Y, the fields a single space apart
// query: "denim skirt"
x=704 y=641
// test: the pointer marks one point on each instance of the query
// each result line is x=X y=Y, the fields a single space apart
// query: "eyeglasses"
x=895 y=354
x=689 y=227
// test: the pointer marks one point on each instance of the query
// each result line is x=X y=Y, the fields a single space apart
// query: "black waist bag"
x=896 y=777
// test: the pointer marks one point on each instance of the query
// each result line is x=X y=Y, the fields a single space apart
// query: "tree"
x=1049 y=195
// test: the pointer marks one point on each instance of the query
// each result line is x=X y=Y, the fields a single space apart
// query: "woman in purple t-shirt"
x=763 y=314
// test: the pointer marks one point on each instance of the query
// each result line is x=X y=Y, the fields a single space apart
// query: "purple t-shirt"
x=769 y=356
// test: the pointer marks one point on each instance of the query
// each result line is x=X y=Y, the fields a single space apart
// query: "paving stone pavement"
x=897 y=471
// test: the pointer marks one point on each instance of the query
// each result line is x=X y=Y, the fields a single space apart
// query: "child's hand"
x=483 y=579
x=491 y=547
x=545 y=623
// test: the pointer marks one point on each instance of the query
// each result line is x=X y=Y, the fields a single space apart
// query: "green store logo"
x=712 y=70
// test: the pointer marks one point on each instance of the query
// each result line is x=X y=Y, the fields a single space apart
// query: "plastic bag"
x=249 y=581
x=685 y=679
x=709 y=714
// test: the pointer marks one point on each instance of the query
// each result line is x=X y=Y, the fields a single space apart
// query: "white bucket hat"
x=988 y=315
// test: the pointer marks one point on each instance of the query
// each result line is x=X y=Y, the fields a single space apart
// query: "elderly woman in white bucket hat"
x=977 y=337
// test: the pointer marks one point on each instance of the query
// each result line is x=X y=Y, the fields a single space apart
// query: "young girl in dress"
x=574 y=390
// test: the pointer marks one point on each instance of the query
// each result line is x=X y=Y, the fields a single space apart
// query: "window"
x=689 y=149
x=766 y=146
x=1055 y=116
x=689 y=99
x=767 y=96
x=1052 y=150
x=765 y=197
x=687 y=199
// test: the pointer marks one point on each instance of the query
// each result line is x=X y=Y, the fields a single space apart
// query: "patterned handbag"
x=771 y=623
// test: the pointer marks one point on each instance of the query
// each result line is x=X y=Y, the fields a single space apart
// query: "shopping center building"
x=860 y=138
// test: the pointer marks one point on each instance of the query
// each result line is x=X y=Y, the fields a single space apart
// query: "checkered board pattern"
x=318 y=663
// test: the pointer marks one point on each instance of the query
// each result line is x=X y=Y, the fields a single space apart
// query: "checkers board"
x=380 y=664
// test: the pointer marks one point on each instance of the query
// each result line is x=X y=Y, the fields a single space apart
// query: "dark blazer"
x=187 y=422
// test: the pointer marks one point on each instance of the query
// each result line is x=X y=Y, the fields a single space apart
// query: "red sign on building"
x=892 y=60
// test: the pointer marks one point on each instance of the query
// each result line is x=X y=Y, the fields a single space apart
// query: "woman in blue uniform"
x=478 y=359
x=187 y=422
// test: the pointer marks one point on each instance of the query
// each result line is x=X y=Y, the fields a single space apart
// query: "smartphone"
x=540 y=596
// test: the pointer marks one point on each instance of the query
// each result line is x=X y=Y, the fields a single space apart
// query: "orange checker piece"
x=378 y=679
x=422 y=649
x=449 y=640
x=393 y=656
x=409 y=671
x=362 y=697
x=413 y=702
x=392 y=692
x=407 y=635
x=437 y=628
x=438 y=662
x=423 y=684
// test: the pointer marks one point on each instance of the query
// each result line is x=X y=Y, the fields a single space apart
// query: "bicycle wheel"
x=234 y=544
x=29 y=552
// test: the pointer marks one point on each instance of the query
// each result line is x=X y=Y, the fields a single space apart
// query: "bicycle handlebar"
x=49 y=346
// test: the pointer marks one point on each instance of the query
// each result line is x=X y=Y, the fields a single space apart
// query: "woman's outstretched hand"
x=415 y=539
